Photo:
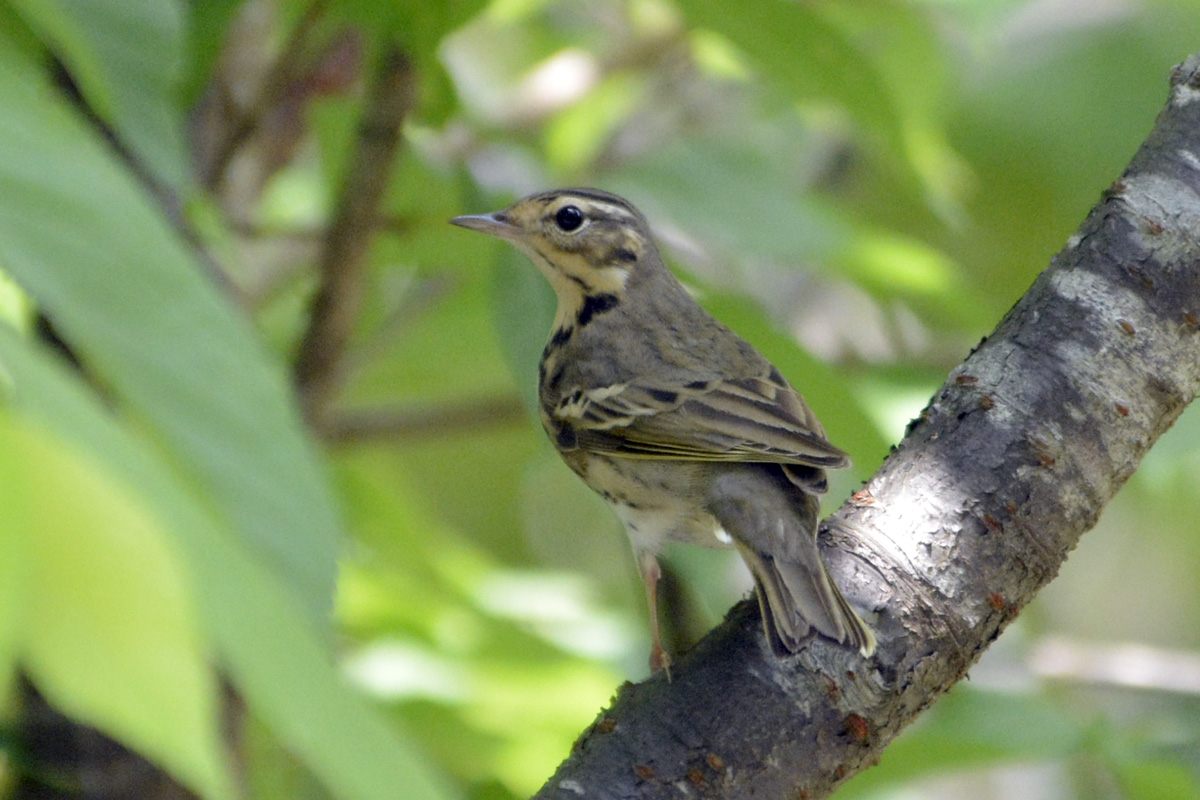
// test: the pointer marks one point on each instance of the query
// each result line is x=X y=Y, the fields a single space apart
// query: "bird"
x=687 y=431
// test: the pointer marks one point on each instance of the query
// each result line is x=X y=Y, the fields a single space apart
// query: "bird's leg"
x=648 y=566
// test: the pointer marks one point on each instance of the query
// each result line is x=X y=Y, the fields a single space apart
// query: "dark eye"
x=569 y=218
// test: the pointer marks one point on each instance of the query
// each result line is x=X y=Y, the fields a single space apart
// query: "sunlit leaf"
x=284 y=668
x=278 y=661
x=84 y=241
x=15 y=308
x=574 y=138
x=714 y=54
x=14 y=586
x=111 y=594
x=794 y=47
x=900 y=41
x=896 y=268
x=1158 y=779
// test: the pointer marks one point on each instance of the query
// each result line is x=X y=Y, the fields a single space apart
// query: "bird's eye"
x=569 y=218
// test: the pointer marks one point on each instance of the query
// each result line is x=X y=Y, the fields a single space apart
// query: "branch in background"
x=1007 y=467
x=447 y=419
x=251 y=122
x=232 y=124
x=389 y=100
x=1132 y=665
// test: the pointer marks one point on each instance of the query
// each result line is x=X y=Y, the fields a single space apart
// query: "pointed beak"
x=496 y=224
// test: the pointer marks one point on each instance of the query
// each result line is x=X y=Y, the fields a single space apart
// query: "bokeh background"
x=862 y=189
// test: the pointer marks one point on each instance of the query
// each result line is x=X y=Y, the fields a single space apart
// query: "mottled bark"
x=1011 y=462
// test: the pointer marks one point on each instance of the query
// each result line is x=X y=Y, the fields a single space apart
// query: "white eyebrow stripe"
x=608 y=209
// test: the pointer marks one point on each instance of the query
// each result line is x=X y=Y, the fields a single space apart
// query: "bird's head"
x=586 y=242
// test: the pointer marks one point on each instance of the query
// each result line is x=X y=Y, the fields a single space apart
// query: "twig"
x=389 y=99
x=413 y=423
x=243 y=124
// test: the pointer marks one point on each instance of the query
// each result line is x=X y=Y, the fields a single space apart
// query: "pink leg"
x=648 y=566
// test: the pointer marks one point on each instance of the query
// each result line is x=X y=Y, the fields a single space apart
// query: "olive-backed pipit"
x=685 y=429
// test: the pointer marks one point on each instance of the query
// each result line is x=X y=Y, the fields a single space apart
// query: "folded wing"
x=756 y=419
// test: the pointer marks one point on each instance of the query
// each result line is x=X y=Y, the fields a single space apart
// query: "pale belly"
x=658 y=501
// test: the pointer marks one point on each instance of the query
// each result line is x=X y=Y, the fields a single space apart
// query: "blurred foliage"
x=861 y=188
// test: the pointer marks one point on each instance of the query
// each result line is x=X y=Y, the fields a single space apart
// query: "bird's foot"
x=660 y=660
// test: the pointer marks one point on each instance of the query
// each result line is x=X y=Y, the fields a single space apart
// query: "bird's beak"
x=496 y=224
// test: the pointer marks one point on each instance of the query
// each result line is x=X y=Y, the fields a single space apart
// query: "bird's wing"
x=755 y=419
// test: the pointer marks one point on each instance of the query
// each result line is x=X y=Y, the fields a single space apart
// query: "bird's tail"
x=796 y=598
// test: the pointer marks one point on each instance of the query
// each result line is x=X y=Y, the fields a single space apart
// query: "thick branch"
x=1009 y=465
x=335 y=307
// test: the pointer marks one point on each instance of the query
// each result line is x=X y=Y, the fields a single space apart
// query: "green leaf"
x=84 y=241
x=125 y=58
x=877 y=62
x=284 y=669
x=108 y=631
x=973 y=728
x=1157 y=779
x=576 y=136
x=15 y=308
x=733 y=195
x=269 y=647
x=899 y=41
x=420 y=25
x=13 y=588
x=205 y=29
x=419 y=28
x=524 y=312
x=894 y=267
x=797 y=49
x=846 y=422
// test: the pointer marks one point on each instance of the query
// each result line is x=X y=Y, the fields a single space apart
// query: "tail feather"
x=795 y=600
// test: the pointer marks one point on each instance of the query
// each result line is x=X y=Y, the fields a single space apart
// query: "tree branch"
x=335 y=307
x=1011 y=462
